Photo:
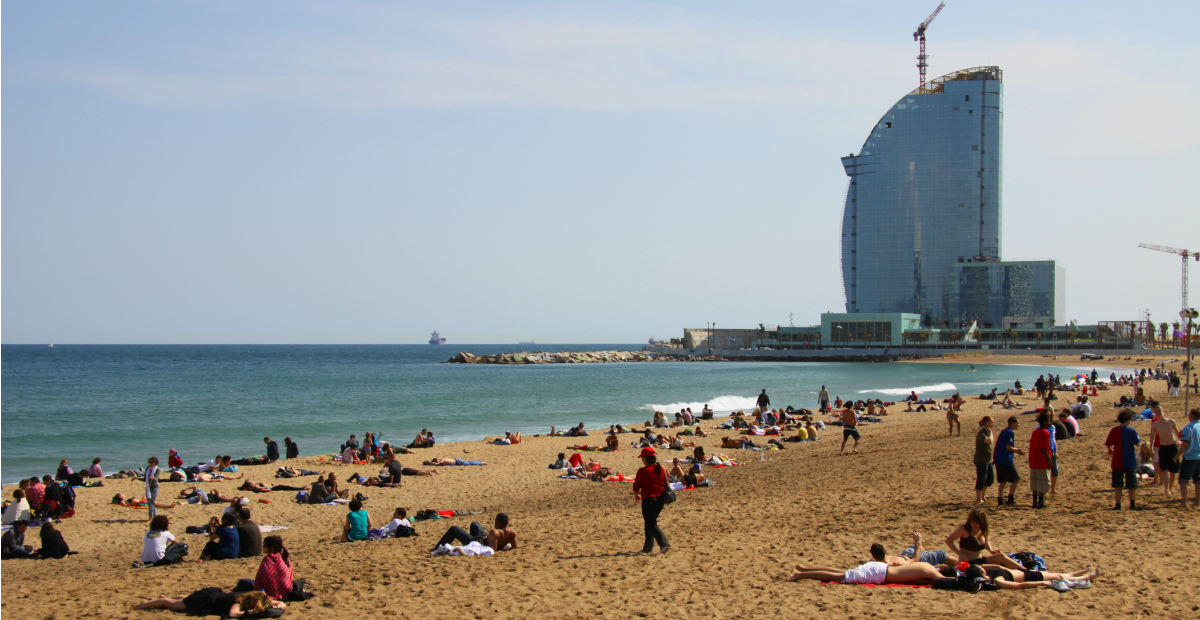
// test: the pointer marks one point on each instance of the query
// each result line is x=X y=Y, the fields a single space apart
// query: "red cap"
x=647 y=451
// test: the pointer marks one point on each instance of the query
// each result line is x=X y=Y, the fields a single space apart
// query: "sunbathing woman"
x=970 y=543
x=212 y=601
x=258 y=487
x=194 y=492
x=1023 y=579
x=292 y=472
x=876 y=572
x=451 y=462
x=121 y=500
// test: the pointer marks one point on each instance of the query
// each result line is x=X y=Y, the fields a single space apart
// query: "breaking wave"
x=940 y=387
x=718 y=404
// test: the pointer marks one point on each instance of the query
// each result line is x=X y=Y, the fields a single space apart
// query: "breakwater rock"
x=578 y=357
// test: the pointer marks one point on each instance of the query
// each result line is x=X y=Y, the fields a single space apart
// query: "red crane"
x=919 y=35
x=1186 y=254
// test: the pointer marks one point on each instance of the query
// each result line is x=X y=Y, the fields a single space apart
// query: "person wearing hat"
x=173 y=459
x=649 y=488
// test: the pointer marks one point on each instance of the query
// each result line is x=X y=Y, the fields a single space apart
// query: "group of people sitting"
x=975 y=564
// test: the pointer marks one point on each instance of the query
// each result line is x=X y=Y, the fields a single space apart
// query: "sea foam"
x=940 y=387
x=719 y=404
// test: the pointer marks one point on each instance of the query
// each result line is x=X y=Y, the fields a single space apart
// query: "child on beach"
x=1121 y=444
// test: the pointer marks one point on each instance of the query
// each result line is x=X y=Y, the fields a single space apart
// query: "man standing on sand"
x=1120 y=443
x=823 y=399
x=1188 y=458
x=1165 y=434
x=764 y=402
x=1006 y=469
x=849 y=428
x=1040 y=460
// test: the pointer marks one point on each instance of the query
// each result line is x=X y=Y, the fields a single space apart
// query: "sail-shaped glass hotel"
x=924 y=196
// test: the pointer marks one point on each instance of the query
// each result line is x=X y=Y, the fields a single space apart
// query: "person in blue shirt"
x=1053 y=453
x=223 y=539
x=1006 y=470
x=1188 y=458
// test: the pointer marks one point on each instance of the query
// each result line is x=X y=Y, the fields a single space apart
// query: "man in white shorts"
x=876 y=572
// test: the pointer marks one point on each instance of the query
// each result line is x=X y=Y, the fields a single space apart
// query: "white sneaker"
x=1060 y=585
x=1082 y=584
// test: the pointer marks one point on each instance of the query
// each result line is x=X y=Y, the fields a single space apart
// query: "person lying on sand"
x=212 y=601
x=451 y=462
x=1007 y=579
x=258 y=487
x=292 y=472
x=204 y=477
x=195 y=495
x=120 y=499
x=916 y=553
x=502 y=537
x=876 y=572
x=735 y=442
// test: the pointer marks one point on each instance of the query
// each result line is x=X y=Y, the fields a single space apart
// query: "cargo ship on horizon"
x=436 y=339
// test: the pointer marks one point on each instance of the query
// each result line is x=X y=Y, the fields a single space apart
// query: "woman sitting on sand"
x=358 y=523
x=660 y=420
x=970 y=543
x=214 y=602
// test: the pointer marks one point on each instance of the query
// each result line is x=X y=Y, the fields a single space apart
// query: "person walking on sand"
x=823 y=399
x=849 y=429
x=650 y=488
x=985 y=473
x=764 y=402
x=1165 y=433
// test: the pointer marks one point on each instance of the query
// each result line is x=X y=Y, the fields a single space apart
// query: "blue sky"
x=355 y=172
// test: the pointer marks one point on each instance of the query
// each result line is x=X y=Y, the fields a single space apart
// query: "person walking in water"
x=823 y=399
x=764 y=402
x=650 y=488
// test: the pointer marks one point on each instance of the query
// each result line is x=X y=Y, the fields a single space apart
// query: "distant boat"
x=51 y=345
x=527 y=344
x=436 y=339
x=656 y=342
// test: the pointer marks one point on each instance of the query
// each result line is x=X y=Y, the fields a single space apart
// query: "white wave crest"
x=718 y=404
x=941 y=387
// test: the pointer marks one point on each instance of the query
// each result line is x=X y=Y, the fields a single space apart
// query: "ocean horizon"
x=124 y=403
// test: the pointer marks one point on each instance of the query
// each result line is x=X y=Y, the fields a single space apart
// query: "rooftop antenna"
x=919 y=35
x=1186 y=254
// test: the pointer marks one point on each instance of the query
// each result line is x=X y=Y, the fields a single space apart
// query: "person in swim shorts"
x=849 y=429
x=876 y=572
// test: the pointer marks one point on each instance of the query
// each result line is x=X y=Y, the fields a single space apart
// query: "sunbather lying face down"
x=451 y=462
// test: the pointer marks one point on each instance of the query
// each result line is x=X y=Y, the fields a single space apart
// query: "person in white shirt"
x=156 y=540
x=1082 y=408
x=212 y=465
x=18 y=510
x=399 y=519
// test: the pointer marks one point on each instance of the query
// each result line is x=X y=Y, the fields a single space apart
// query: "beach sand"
x=732 y=545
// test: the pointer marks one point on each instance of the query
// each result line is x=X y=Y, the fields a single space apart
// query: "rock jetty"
x=578 y=357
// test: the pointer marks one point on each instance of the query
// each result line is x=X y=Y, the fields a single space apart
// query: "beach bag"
x=668 y=495
x=298 y=593
x=405 y=532
x=175 y=553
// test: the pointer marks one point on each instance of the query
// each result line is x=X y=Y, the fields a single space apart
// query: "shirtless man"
x=917 y=553
x=952 y=418
x=875 y=572
x=849 y=429
x=611 y=442
x=500 y=538
x=1165 y=432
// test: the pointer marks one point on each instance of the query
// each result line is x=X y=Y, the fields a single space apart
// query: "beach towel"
x=874 y=585
x=272 y=528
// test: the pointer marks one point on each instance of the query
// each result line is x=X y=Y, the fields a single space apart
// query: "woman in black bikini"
x=1024 y=579
x=970 y=543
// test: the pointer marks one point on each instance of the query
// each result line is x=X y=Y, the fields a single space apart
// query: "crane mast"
x=1185 y=254
x=919 y=35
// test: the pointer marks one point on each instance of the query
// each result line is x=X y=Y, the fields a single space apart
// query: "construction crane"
x=919 y=35
x=1178 y=252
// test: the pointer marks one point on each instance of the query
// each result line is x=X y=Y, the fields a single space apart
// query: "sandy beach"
x=732 y=545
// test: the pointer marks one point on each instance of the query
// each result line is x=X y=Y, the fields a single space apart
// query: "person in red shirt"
x=1039 y=460
x=275 y=573
x=173 y=459
x=36 y=492
x=649 y=488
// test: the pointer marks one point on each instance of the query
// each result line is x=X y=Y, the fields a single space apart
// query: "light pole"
x=1189 y=314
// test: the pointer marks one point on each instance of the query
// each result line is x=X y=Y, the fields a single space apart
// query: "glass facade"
x=1007 y=294
x=924 y=196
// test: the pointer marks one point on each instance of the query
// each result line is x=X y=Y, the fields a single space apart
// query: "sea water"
x=126 y=403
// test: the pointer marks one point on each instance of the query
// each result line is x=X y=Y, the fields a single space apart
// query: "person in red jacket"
x=1039 y=460
x=649 y=488
x=173 y=459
